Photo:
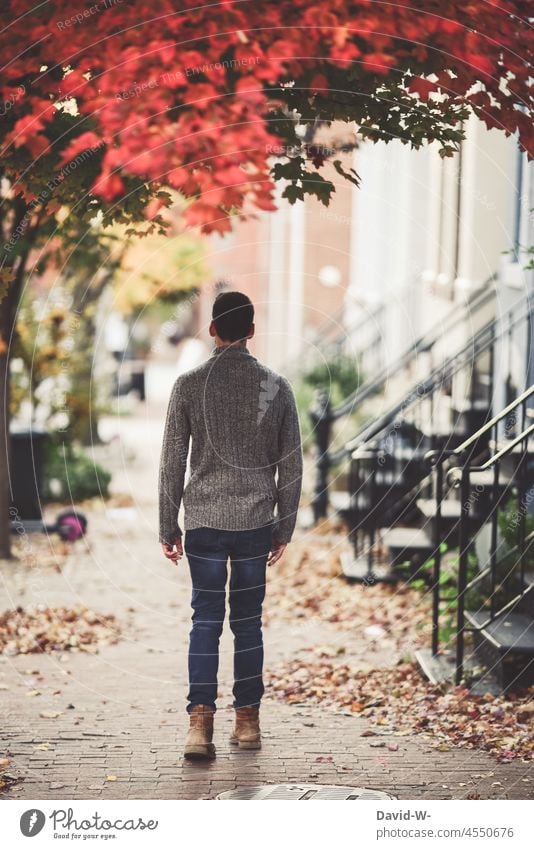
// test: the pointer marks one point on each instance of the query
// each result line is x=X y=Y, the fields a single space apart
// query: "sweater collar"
x=231 y=350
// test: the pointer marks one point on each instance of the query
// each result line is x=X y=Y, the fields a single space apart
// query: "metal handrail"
x=421 y=345
x=321 y=344
x=460 y=476
x=487 y=571
x=376 y=310
x=495 y=420
x=454 y=475
x=445 y=370
x=323 y=415
x=421 y=390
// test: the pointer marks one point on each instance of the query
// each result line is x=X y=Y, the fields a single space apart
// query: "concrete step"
x=407 y=544
x=509 y=633
x=339 y=501
x=449 y=509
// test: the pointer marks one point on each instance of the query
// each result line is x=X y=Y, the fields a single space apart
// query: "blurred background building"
x=385 y=262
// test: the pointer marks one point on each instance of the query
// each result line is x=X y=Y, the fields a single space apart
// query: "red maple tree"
x=194 y=98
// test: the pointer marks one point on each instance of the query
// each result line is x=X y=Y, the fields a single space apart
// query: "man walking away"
x=246 y=460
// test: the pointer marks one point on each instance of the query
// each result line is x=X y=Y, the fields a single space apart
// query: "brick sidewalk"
x=121 y=712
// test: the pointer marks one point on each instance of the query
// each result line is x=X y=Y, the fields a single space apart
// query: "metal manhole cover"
x=303 y=792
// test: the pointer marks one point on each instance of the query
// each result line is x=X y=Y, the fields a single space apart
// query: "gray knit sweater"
x=246 y=455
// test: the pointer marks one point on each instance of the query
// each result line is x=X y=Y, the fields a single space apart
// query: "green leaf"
x=293 y=193
x=351 y=174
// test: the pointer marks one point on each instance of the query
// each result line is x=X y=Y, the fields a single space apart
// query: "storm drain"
x=303 y=792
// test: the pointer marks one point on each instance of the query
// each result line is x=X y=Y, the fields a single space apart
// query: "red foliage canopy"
x=184 y=98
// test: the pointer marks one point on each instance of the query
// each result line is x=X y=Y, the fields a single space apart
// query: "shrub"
x=69 y=474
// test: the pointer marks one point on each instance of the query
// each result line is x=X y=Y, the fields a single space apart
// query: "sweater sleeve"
x=173 y=464
x=289 y=469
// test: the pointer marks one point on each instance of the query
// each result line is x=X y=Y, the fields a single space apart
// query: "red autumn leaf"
x=379 y=63
x=422 y=87
x=109 y=187
x=26 y=128
x=86 y=141
x=264 y=202
x=482 y=64
x=73 y=84
x=153 y=208
x=319 y=84
x=173 y=96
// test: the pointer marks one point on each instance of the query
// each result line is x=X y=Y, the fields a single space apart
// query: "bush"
x=71 y=475
x=341 y=375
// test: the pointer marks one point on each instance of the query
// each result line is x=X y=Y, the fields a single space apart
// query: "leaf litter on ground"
x=400 y=700
x=46 y=629
x=307 y=584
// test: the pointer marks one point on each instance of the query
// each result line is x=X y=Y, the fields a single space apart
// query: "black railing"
x=467 y=358
x=461 y=477
x=389 y=471
x=467 y=454
x=376 y=384
x=373 y=317
x=330 y=340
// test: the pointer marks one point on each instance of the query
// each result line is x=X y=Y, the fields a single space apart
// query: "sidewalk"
x=120 y=721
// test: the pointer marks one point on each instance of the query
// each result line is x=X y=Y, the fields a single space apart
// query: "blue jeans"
x=208 y=550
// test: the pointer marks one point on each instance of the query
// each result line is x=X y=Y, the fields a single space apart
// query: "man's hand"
x=173 y=551
x=277 y=549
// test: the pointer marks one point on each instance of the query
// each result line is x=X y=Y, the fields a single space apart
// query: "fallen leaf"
x=408 y=704
x=45 y=629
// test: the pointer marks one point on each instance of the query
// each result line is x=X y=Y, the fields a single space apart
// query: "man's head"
x=232 y=317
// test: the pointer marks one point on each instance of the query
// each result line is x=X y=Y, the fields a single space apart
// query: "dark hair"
x=233 y=316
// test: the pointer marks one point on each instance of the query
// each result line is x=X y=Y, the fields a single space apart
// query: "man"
x=246 y=459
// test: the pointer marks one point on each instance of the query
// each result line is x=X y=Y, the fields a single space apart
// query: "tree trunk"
x=85 y=301
x=8 y=313
x=5 y=443
x=7 y=317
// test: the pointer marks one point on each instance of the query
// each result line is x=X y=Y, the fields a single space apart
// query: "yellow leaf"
x=6 y=277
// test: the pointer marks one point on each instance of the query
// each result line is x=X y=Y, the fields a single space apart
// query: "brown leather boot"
x=198 y=743
x=247 y=733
